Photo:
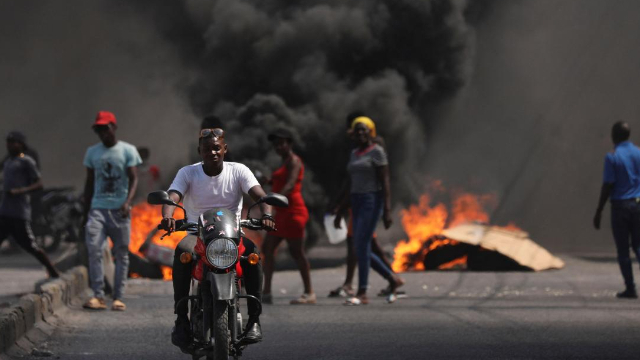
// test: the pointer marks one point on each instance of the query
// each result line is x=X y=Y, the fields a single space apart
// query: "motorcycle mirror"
x=276 y=200
x=160 y=197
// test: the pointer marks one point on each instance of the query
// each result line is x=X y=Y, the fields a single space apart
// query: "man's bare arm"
x=27 y=189
x=605 y=192
x=168 y=222
x=256 y=194
x=88 y=192
x=132 y=174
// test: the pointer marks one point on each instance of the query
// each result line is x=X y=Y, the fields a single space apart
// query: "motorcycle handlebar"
x=251 y=224
x=181 y=225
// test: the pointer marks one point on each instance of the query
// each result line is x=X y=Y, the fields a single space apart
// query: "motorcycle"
x=57 y=217
x=216 y=321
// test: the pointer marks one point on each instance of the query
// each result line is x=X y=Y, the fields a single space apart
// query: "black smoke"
x=306 y=65
x=162 y=67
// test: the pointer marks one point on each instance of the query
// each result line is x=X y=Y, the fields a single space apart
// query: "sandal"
x=357 y=300
x=95 y=304
x=118 y=305
x=341 y=291
x=304 y=299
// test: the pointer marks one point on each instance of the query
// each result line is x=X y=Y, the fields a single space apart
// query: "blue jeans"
x=625 y=223
x=100 y=224
x=367 y=209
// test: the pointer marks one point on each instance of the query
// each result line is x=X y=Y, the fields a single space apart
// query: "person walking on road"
x=370 y=198
x=109 y=189
x=287 y=180
x=346 y=289
x=21 y=177
x=621 y=183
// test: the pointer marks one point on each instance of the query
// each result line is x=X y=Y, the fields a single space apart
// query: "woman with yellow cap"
x=370 y=198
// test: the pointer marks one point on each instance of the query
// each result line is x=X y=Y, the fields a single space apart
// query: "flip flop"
x=118 y=305
x=95 y=304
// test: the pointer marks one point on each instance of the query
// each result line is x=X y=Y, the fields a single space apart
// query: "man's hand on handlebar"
x=268 y=223
x=168 y=225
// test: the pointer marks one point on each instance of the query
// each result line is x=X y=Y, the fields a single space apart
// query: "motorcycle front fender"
x=222 y=285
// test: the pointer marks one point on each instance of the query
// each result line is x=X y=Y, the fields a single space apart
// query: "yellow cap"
x=366 y=122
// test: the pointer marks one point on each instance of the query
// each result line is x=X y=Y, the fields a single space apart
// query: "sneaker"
x=118 y=305
x=304 y=299
x=95 y=304
x=357 y=300
x=181 y=333
x=629 y=293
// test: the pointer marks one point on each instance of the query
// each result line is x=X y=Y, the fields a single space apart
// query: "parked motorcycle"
x=57 y=217
x=216 y=321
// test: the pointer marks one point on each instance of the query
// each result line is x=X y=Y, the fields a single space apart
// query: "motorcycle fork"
x=235 y=322
x=234 y=315
x=207 y=311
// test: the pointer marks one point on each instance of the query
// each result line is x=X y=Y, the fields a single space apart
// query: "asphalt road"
x=571 y=313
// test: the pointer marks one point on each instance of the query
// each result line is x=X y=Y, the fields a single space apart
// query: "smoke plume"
x=306 y=65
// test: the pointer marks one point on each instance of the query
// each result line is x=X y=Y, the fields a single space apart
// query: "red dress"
x=290 y=221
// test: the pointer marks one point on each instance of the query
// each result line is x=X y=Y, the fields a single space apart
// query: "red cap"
x=105 y=118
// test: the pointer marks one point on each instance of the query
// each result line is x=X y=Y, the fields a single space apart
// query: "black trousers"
x=252 y=275
x=625 y=224
x=21 y=232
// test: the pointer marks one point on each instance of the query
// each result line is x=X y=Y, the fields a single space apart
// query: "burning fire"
x=144 y=220
x=424 y=223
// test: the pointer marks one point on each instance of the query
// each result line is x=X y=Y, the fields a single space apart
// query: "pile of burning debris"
x=462 y=240
x=481 y=247
x=149 y=255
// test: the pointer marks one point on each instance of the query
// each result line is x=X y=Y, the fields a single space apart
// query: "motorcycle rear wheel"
x=49 y=242
x=221 y=330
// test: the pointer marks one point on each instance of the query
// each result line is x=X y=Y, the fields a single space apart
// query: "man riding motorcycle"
x=202 y=186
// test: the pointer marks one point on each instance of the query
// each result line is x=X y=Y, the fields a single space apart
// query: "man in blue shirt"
x=109 y=189
x=621 y=183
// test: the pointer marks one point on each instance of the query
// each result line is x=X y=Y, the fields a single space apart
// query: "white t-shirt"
x=202 y=192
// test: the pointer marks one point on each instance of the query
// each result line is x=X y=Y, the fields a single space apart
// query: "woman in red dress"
x=287 y=180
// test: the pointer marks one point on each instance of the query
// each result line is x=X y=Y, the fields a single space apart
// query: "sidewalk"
x=19 y=273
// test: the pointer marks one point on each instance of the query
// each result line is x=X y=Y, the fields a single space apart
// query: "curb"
x=32 y=309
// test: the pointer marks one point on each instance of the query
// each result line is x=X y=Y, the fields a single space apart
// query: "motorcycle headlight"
x=222 y=253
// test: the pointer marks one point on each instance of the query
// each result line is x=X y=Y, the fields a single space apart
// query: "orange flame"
x=421 y=222
x=144 y=220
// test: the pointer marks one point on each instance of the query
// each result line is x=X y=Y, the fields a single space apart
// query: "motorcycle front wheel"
x=220 y=330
